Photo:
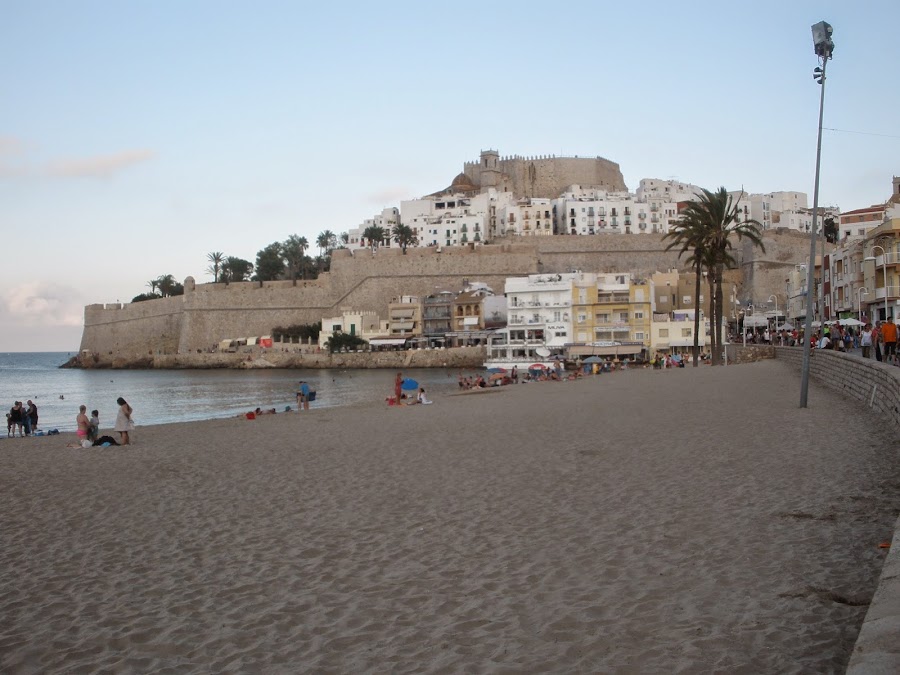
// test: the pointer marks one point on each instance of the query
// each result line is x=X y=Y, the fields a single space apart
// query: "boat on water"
x=523 y=348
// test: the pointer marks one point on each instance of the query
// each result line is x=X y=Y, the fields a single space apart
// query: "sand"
x=691 y=520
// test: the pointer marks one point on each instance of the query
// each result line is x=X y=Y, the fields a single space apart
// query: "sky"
x=137 y=137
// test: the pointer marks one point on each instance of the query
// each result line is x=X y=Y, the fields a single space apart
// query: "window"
x=638 y=336
x=638 y=315
x=623 y=316
x=663 y=332
x=582 y=318
x=663 y=299
x=685 y=332
x=686 y=299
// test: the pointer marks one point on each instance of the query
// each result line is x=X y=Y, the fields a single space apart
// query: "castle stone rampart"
x=209 y=313
x=545 y=176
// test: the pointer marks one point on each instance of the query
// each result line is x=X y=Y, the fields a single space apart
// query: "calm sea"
x=162 y=396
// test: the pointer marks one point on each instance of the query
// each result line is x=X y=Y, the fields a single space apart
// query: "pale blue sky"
x=135 y=137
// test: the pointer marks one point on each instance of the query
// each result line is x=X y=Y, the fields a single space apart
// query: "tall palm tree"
x=293 y=250
x=690 y=234
x=154 y=285
x=404 y=237
x=216 y=258
x=326 y=241
x=344 y=238
x=166 y=284
x=718 y=214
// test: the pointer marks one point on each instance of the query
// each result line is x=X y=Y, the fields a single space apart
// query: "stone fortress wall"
x=542 y=176
x=209 y=313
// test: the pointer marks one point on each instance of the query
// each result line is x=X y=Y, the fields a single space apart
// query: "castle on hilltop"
x=541 y=176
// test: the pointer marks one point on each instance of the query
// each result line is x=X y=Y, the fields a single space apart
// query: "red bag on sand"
x=251 y=415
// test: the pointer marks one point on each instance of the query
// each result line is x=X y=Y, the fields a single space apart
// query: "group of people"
x=879 y=340
x=22 y=419
x=88 y=428
x=399 y=395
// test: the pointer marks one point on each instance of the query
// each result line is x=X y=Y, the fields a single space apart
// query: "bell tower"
x=489 y=169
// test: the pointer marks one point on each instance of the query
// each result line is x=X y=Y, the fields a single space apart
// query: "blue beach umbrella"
x=494 y=371
x=409 y=384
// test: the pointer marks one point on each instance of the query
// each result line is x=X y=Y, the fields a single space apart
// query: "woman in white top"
x=124 y=423
x=865 y=341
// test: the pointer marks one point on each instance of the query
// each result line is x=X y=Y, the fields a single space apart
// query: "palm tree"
x=344 y=238
x=293 y=250
x=216 y=258
x=153 y=284
x=718 y=215
x=690 y=234
x=326 y=241
x=166 y=284
x=375 y=234
x=404 y=236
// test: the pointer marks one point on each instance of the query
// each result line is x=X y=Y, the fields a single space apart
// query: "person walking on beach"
x=15 y=418
x=398 y=388
x=303 y=396
x=124 y=423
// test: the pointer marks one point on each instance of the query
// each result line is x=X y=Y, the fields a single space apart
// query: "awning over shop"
x=403 y=325
x=387 y=341
x=225 y=344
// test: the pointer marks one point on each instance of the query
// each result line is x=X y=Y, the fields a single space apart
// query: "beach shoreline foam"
x=657 y=521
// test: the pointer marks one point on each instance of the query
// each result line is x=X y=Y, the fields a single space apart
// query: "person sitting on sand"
x=267 y=411
x=420 y=399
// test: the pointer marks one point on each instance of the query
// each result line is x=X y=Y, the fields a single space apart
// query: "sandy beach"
x=680 y=521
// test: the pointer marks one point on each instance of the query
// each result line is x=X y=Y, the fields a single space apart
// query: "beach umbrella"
x=593 y=359
x=494 y=371
x=409 y=384
x=537 y=366
x=786 y=326
x=851 y=322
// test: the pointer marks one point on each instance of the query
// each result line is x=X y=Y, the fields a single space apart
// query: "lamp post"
x=859 y=293
x=744 y=327
x=883 y=272
x=824 y=48
x=775 y=298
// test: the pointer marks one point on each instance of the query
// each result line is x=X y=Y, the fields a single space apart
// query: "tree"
x=270 y=263
x=716 y=217
x=145 y=296
x=154 y=285
x=216 y=258
x=236 y=269
x=293 y=251
x=326 y=241
x=690 y=234
x=375 y=235
x=344 y=238
x=404 y=236
x=831 y=230
x=168 y=286
x=339 y=341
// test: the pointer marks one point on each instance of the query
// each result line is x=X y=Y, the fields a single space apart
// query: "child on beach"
x=94 y=429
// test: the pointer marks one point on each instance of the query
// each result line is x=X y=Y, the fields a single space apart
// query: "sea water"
x=163 y=396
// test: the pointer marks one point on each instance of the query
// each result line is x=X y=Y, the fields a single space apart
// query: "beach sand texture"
x=682 y=521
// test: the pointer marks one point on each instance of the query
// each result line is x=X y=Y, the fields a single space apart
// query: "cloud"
x=41 y=304
x=100 y=166
x=390 y=195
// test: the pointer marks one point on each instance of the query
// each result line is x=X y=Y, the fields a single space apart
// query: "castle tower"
x=489 y=169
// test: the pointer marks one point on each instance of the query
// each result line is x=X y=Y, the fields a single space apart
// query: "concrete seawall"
x=877 y=386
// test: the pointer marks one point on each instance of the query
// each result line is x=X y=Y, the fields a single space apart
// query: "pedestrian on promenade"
x=865 y=341
x=889 y=336
x=876 y=340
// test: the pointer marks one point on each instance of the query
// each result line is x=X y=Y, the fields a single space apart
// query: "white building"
x=542 y=302
x=594 y=211
x=365 y=324
x=526 y=217
x=453 y=220
x=386 y=220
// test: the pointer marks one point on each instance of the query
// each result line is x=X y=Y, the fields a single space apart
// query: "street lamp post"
x=859 y=293
x=775 y=298
x=824 y=48
x=883 y=272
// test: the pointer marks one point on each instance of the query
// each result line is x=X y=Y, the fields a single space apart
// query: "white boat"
x=519 y=347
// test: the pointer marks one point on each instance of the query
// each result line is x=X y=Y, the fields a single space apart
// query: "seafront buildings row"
x=572 y=314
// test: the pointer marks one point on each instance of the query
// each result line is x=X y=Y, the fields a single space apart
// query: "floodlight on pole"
x=824 y=48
